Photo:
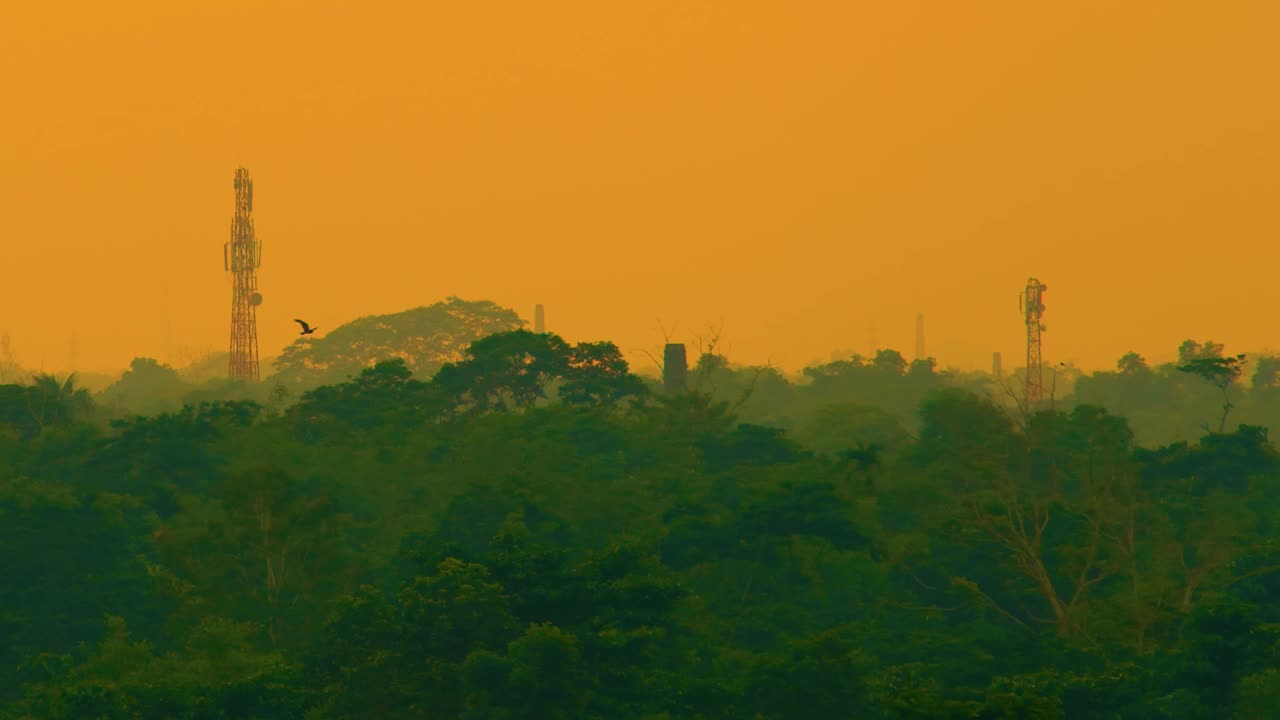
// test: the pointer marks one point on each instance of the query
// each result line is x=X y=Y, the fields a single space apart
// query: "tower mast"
x=242 y=256
x=1032 y=302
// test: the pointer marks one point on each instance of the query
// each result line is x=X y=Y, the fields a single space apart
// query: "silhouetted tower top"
x=1031 y=304
x=539 y=319
x=242 y=257
x=997 y=365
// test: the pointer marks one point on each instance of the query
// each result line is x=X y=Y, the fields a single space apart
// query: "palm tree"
x=52 y=402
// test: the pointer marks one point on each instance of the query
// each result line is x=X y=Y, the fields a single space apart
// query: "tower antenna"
x=1032 y=307
x=242 y=256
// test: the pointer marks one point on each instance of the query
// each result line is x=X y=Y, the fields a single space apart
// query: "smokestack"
x=996 y=368
x=675 y=368
x=920 y=336
x=539 y=319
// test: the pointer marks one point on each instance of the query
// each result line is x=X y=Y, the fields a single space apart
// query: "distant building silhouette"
x=539 y=319
x=675 y=368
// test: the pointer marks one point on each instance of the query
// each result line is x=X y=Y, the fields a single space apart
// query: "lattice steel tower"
x=1031 y=303
x=242 y=257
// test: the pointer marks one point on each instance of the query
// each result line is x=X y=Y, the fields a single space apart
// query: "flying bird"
x=306 y=329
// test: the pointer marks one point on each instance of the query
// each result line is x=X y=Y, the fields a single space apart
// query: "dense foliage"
x=535 y=532
x=425 y=338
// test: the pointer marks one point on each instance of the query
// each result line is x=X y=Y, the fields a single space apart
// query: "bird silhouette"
x=306 y=329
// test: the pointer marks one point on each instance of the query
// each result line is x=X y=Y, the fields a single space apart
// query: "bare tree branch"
x=666 y=340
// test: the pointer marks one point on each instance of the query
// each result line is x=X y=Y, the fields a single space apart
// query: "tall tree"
x=1222 y=373
x=504 y=370
x=425 y=338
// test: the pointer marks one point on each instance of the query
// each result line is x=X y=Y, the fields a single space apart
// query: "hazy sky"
x=800 y=171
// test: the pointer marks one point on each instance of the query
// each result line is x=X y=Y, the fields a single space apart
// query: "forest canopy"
x=530 y=530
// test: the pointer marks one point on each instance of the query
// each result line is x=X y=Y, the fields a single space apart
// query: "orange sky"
x=801 y=171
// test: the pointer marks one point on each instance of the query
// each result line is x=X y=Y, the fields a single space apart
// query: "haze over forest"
x=439 y=514
x=433 y=508
x=801 y=176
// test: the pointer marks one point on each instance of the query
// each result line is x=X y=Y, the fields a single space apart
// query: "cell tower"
x=1031 y=304
x=242 y=257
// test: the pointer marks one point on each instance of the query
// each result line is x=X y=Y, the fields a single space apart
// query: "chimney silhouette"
x=539 y=319
x=675 y=368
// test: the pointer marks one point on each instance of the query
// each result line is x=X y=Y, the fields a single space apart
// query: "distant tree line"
x=533 y=531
